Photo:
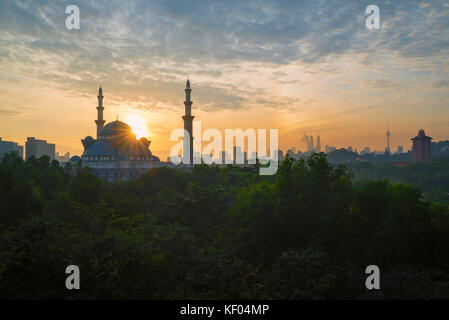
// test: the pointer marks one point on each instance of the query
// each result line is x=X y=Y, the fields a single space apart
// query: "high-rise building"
x=422 y=147
x=39 y=148
x=388 y=134
x=8 y=146
x=318 y=144
x=400 y=149
x=188 y=126
x=310 y=146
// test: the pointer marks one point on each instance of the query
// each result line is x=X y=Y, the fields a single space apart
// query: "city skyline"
x=141 y=130
x=311 y=148
x=303 y=68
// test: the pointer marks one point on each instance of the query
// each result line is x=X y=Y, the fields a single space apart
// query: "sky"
x=302 y=67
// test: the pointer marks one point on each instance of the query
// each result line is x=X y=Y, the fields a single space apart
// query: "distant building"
x=422 y=147
x=62 y=158
x=238 y=155
x=252 y=158
x=349 y=149
x=310 y=145
x=8 y=146
x=388 y=134
x=400 y=149
x=226 y=156
x=329 y=149
x=39 y=148
x=318 y=144
x=365 y=151
x=291 y=153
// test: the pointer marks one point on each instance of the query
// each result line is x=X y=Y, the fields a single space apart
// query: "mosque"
x=116 y=154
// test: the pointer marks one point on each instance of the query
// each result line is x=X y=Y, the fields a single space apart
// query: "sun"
x=138 y=125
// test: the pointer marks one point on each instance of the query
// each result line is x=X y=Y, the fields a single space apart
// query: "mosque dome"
x=116 y=141
x=75 y=159
x=116 y=128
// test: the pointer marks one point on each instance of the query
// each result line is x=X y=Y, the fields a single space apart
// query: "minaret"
x=100 y=122
x=188 y=118
x=388 y=134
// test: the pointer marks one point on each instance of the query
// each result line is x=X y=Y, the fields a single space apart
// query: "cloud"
x=8 y=112
x=442 y=84
x=143 y=50
x=382 y=84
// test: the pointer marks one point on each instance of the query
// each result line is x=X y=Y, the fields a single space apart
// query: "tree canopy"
x=218 y=233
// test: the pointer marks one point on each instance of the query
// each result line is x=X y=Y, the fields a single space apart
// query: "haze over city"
x=303 y=67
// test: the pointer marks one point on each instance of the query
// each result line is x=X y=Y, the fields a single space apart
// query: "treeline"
x=432 y=179
x=308 y=232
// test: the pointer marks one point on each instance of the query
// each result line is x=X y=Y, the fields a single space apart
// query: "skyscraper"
x=310 y=145
x=188 y=118
x=8 y=146
x=318 y=144
x=39 y=148
x=422 y=147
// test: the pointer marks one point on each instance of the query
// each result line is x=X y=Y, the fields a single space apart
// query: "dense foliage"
x=306 y=233
x=431 y=178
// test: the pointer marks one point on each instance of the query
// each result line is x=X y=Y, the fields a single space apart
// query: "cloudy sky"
x=302 y=67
